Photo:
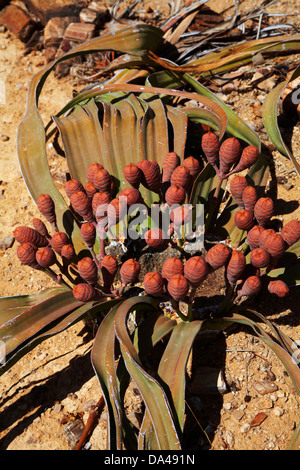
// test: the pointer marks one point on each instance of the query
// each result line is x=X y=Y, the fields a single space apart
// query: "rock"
x=278 y=411
x=238 y=414
x=55 y=28
x=7 y=242
x=264 y=386
x=245 y=428
x=267 y=85
x=44 y=10
x=73 y=432
x=4 y=137
x=88 y=16
x=258 y=419
x=17 y=21
x=79 y=32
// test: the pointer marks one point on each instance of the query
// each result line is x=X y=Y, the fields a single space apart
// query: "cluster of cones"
x=95 y=274
x=228 y=157
x=266 y=245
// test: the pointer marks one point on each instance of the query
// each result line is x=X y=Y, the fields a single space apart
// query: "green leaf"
x=42 y=315
x=103 y=361
x=172 y=366
x=12 y=307
x=269 y=116
x=153 y=395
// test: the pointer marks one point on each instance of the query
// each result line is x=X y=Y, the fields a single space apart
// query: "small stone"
x=88 y=16
x=258 y=59
x=4 y=137
x=228 y=438
x=238 y=414
x=89 y=406
x=278 y=411
x=57 y=408
x=73 y=431
x=288 y=186
x=7 y=242
x=245 y=428
x=264 y=386
x=228 y=88
x=227 y=406
x=258 y=419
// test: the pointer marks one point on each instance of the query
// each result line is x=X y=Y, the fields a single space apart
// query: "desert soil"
x=47 y=396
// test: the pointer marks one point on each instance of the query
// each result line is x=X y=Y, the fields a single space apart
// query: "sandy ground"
x=47 y=395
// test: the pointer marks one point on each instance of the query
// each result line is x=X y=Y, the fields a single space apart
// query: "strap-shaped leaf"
x=172 y=366
x=103 y=361
x=12 y=307
x=53 y=328
x=31 y=134
x=35 y=318
x=153 y=395
x=82 y=138
x=269 y=116
x=154 y=328
x=179 y=122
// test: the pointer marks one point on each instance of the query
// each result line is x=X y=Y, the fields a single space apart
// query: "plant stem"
x=214 y=205
x=175 y=306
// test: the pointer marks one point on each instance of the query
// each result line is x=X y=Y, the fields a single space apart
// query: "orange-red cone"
x=46 y=207
x=58 y=240
x=85 y=293
x=155 y=238
x=251 y=286
x=260 y=258
x=171 y=267
x=195 y=270
x=235 y=267
x=26 y=254
x=291 y=232
x=244 y=219
x=73 y=186
x=88 y=233
x=181 y=177
x=278 y=288
x=175 y=195
x=153 y=284
x=45 y=257
x=170 y=162
x=263 y=210
x=229 y=154
x=87 y=269
x=27 y=234
x=130 y=271
x=253 y=236
x=210 y=146
x=237 y=186
x=178 y=287
x=217 y=256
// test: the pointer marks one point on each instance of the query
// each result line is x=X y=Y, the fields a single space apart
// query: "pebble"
x=278 y=411
x=245 y=428
x=264 y=386
x=227 y=406
x=57 y=408
x=4 y=137
x=7 y=242
x=238 y=414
